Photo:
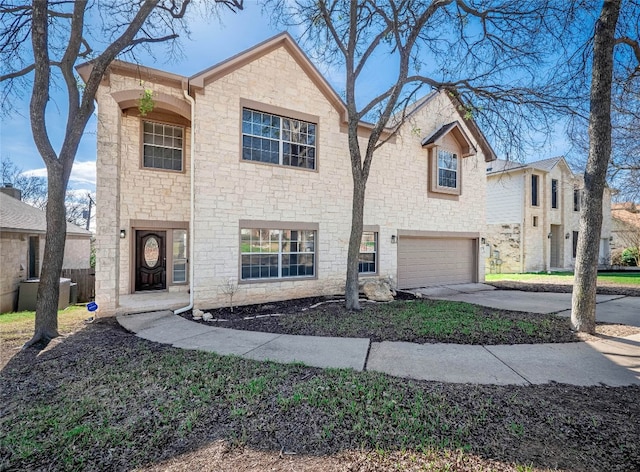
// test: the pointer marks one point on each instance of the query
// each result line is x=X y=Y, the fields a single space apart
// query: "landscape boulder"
x=377 y=290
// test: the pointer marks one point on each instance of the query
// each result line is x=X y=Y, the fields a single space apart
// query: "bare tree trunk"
x=46 y=326
x=583 y=304
x=352 y=293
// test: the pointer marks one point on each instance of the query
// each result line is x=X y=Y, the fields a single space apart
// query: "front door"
x=150 y=260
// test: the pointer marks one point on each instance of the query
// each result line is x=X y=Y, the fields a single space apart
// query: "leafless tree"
x=230 y=288
x=34 y=189
x=34 y=192
x=615 y=63
x=41 y=43
x=489 y=54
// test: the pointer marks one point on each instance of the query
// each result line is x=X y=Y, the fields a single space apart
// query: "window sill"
x=273 y=280
x=280 y=166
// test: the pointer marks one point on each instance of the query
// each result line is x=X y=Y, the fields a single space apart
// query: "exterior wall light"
x=549 y=235
x=394 y=239
x=123 y=233
x=567 y=236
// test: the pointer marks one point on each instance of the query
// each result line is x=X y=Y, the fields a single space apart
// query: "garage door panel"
x=435 y=261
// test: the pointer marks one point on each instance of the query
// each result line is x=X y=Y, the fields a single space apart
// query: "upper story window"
x=447 y=146
x=535 y=182
x=367 y=260
x=162 y=146
x=278 y=140
x=554 y=193
x=447 y=169
x=576 y=199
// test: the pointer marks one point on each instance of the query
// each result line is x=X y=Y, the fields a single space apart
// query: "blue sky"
x=210 y=43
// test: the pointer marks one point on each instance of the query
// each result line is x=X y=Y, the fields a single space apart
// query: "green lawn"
x=606 y=278
x=429 y=321
x=17 y=327
x=105 y=400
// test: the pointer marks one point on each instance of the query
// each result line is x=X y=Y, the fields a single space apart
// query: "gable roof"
x=19 y=217
x=285 y=40
x=545 y=165
x=487 y=150
x=458 y=133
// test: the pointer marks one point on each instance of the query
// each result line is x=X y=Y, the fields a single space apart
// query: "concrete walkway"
x=612 y=361
x=609 y=309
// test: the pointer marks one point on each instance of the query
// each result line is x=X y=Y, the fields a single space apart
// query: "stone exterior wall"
x=228 y=190
x=506 y=239
x=560 y=222
x=234 y=190
x=14 y=254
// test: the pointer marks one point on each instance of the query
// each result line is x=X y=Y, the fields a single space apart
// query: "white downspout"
x=192 y=204
x=523 y=222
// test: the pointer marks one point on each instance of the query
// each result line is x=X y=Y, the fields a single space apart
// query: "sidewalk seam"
x=366 y=357
x=263 y=344
x=508 y=366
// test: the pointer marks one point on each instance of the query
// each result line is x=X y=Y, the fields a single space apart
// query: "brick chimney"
x=10 y=190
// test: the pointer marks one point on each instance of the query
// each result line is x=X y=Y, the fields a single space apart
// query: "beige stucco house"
x=241 y=175
x=22 y=234
x=625 y=229
x=533 y=216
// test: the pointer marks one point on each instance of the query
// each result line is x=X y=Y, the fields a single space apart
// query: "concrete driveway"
x=610 y=308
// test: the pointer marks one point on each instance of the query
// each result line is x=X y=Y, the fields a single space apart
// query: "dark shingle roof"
x=17 y=216
x=439 y=133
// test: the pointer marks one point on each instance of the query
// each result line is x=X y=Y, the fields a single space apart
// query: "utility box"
x=29 y=292
x=73 y=293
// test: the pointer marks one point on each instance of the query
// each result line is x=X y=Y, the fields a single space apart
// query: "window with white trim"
x=447 y=169
x=277 y=253
x=278 y=140
x=162 y=146
x=179 y=256
x=368 y=257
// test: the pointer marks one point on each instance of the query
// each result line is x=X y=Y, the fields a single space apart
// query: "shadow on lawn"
x=104 y=399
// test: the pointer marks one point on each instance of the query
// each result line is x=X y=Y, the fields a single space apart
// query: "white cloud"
x=84 y=172
x=81 y=172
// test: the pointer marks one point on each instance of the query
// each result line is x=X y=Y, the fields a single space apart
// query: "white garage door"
x=435 y=261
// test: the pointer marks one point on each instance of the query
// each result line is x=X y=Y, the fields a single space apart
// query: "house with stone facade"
x=240 y=176
x=533 y=216
x=22 y=233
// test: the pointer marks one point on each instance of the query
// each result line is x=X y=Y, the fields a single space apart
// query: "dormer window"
x=447 y=169
x=446 y=148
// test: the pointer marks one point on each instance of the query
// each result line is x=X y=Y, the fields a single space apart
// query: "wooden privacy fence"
x=86 y=280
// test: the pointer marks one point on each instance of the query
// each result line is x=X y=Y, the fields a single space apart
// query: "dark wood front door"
x=150 y=260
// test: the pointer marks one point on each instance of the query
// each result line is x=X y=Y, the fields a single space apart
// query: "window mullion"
x=280 y=254
x=281 y=142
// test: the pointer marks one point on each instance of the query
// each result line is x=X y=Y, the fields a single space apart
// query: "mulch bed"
x=299 y=317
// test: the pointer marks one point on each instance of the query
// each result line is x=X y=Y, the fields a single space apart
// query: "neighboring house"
x=625 y=230
x=272 y=185
x=533 y=216
x=22 y=235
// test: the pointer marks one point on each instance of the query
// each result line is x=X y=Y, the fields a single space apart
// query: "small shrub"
x=616 y=258
x=630 y=256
